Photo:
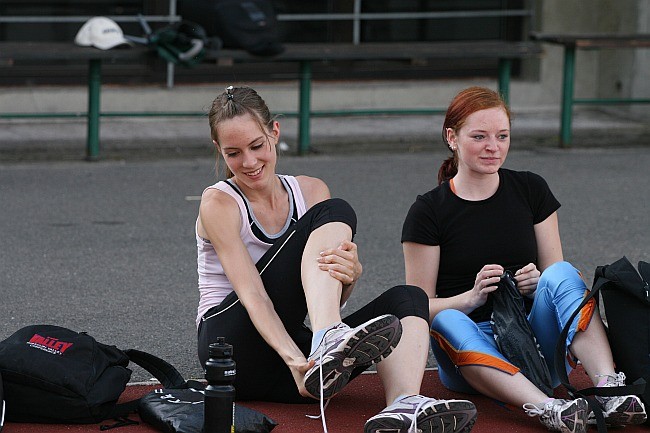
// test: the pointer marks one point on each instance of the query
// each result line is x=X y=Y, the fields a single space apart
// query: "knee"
x=560 y=273
x=334 y=210
x=445 y=317
x=408 y=301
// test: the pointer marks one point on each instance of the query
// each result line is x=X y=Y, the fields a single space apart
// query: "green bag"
x=182 y=43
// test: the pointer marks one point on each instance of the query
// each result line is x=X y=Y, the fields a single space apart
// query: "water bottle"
x=219 y=410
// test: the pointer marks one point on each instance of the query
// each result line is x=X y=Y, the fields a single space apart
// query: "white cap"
x=100 y=32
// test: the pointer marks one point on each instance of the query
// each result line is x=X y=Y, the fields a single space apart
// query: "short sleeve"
x=542 y=201
x=420 y=225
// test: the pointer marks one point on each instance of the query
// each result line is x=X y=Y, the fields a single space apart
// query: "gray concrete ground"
x=109 y=248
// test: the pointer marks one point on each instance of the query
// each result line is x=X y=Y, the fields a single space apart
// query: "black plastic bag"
x=514 y=336
x=181 y=411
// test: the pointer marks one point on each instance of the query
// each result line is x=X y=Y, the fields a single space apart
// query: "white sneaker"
x=417 y=413
x=566 y=416
x=343 y=349
x=621 y=409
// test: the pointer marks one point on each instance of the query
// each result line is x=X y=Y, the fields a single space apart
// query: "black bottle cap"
x=220 y=349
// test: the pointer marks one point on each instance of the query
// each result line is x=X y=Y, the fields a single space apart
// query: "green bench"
x=571 y=44
x=303 y=54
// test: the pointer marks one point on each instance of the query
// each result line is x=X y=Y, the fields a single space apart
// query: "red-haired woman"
x=460 y=237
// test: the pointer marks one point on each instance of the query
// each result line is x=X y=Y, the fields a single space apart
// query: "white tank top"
x=214 y=285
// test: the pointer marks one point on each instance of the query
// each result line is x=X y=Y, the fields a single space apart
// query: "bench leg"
x=505 y=69
x=94 y=86
x=567 y=96
x=304 y=109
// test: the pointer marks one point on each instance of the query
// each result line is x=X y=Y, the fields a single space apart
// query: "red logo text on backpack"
x=49 y=344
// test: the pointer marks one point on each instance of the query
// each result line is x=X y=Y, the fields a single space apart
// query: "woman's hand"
x=342 y=263
x=299 y=367
x=486 y=281
x=527 y=279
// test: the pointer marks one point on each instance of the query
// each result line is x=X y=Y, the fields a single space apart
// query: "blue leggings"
x=456 y=340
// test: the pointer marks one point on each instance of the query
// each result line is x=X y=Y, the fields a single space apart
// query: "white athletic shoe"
x=566 y=416
x=416 y=413
x=621 y=409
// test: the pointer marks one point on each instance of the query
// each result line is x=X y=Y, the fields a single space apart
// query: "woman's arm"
x=219 y=219
x=313 y=190
x=343 y=264
x=549 y=251
x=549 y=245
x=421 y=264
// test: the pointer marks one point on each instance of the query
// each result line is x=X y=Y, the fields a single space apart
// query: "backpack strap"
x=588 y=393
x=163 y=371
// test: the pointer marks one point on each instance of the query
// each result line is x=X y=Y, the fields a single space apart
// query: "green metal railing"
x=568 y=99
x=304 y=113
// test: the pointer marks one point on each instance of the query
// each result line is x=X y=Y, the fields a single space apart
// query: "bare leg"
x=592 y=349
x=401 y=373
x=322 y=291
x=512 y=389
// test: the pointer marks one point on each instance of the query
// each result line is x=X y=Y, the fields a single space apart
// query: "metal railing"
x=357 y=16
x=171 y=17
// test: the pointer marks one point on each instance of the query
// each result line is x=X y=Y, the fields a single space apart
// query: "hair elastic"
x=229 y=93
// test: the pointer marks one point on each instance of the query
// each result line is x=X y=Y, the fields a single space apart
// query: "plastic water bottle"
x=220 y=371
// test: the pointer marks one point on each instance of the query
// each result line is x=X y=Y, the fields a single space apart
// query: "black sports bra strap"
x=249 y=211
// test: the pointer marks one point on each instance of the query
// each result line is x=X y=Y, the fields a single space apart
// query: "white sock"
x=401 y=397
x=316 y=338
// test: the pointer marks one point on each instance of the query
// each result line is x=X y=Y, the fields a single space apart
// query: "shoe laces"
x=414 y=425
x=547 y=415
x=323 y=405
x=613 y=379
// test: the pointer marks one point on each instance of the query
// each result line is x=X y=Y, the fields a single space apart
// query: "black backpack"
x=626 y=301
x=247 y=24
x=55 y=375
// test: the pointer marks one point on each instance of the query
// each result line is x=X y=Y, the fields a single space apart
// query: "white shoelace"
x=532 y=410
x=323 y=406
x=414 y=424
x=553 y=417
x=616 y=379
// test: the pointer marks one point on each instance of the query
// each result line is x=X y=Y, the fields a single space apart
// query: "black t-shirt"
x=472 y=234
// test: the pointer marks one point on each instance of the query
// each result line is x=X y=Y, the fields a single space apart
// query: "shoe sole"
x=630 y=411
x=579 y=423
x=450 y=416
x=372 y=342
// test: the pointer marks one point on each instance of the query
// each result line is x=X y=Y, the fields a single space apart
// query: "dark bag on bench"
x=247 y=24
x=626 y=299
x=55 y=375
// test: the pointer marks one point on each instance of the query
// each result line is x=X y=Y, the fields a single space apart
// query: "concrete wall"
x=608 y=73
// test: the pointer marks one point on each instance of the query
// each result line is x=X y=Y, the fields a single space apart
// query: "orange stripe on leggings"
x=586 y=313
x=466 y=357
